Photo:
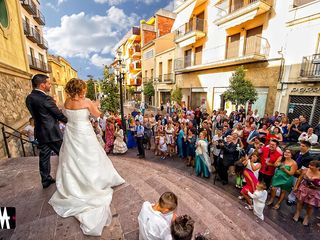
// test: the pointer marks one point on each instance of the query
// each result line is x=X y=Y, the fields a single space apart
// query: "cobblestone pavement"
x=216 y=211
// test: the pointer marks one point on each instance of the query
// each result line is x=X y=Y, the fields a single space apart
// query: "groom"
x=46 y=116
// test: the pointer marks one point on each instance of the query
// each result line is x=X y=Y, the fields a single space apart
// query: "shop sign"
x=291 y=107
x=306 y=90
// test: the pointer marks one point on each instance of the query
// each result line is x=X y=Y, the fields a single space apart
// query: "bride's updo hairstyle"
x=75 y=87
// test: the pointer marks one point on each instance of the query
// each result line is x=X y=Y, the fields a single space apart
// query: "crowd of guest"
x=241 y=147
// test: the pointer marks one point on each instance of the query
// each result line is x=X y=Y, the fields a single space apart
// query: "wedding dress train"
x=85 y=176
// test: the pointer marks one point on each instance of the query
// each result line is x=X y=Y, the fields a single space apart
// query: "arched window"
x=4 y=19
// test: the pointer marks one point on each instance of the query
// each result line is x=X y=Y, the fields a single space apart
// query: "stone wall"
x=15 y=85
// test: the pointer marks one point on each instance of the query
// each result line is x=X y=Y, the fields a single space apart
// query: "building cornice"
x=5 y=68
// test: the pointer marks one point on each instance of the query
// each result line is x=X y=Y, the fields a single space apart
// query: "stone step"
x=215 y=212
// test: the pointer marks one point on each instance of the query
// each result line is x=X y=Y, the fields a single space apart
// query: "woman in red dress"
x=251 y=182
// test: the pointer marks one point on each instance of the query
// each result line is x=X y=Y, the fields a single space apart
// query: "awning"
x=187 y=42
x=239 y=20
x=138 y=75
x=183 y=16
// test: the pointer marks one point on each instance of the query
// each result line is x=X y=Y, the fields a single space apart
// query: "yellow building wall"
x=12 y=44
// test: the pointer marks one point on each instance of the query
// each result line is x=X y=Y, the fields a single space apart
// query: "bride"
x=85 y=174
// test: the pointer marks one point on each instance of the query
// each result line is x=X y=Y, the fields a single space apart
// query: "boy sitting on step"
x=155 y=219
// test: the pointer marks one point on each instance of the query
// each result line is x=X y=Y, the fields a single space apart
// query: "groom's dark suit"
x=46 y=117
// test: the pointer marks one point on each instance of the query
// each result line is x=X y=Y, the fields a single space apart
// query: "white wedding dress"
x=85 y=176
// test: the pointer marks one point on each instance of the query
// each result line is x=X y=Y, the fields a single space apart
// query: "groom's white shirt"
x=40 y=91
x=154 y=225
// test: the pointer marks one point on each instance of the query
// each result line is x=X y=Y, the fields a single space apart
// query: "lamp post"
x=120 y=77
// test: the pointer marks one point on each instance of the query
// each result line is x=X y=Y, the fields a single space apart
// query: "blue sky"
x=85 y=31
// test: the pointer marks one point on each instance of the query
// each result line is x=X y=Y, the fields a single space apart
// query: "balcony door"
x=253 y=41
x=233 y=43
x=160 y=71
x=235 y=5
x=200 y=22
x=198 y=56
x=33 y=60
x=187 y=58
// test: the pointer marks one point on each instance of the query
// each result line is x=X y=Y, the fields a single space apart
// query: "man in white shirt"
x=29 y=130
x=308 y=136
x=155 y=219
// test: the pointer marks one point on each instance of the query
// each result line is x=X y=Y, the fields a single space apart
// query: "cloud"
x=170 y=6
x=99 y=61
x=50 y=5
x=85 y=36
x=117 y=2
x=111 y=2
x=61 y=1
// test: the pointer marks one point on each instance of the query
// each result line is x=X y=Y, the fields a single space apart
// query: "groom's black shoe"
x=48 y=182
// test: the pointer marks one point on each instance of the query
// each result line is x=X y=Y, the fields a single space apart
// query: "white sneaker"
x=240 y=197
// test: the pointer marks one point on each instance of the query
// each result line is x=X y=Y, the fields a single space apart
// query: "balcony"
x=37 y=64
x=39 y=18
x=31 y=33
x=135 y=66
x=168 y=78
x=240 y=11
x=255 y=49
x=190 y=32
x=298 y=3
x=135 y=81
x=29 y=6
x=182 y=4
x=310 y=68
x=43 y=43
x=136 y=51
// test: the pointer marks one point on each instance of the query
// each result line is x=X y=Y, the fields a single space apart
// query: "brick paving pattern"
x=215 y=211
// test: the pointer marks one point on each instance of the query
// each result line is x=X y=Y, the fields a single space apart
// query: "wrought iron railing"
x=43 y=43
x=38 y=64
x=224 y=8
x=310 y=67
x=254 y=46
x=39 y=17
x=298 y=3
x=195 y=24
x=30 y=6
x=168 y=77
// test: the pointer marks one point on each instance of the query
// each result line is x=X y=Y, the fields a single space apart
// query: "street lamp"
x=120 y=77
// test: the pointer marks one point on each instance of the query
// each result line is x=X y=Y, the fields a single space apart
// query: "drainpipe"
x=281 y=71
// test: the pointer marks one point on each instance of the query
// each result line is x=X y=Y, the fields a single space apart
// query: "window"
x=151 y=77
x=253 y=41
x=170 y=66
x=233 y=46
x=160 y=71
x=4 y=20
x=198 y=55
x=318 y=45
x=200 y=22
x=187 y=58
x=33 y=60
x=148 y=54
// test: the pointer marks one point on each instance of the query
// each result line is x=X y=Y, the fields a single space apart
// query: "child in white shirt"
x=155 y=219
x=259 y=200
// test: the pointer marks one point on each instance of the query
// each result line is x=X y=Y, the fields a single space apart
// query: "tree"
x=176 y=95
x=240 y=90
x=130 y=90
x=111 y=97
x=148 y=90
x=90 y=89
